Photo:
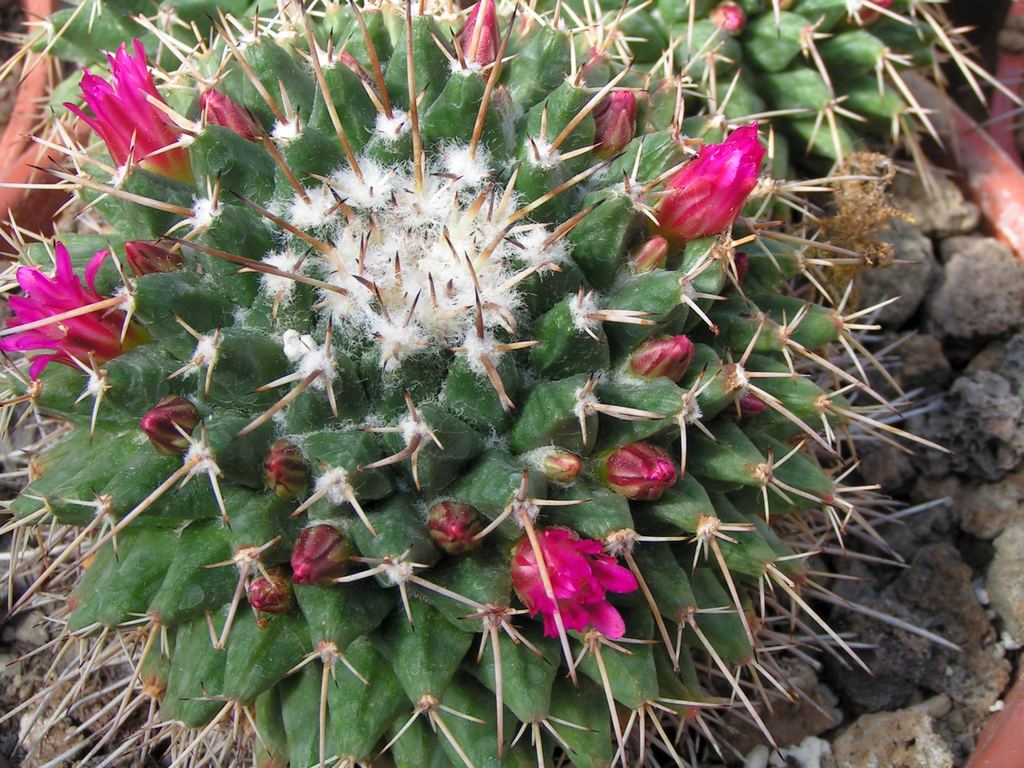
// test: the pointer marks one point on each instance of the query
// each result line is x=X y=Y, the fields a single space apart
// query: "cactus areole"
x=429 y=409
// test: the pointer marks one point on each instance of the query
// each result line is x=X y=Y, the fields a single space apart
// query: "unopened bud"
x=729 y=17
x=638 y=471
x=668 y=356
x=353 y=63
x=285 y=471
x=453 y=526
x=741 y=263
x=165 y=423
x=146 y=258
x=615 y=123
x=750 y=406
x=223 y=111
x=650 y=254
x=561 y=466
x=480 y=37
x=271 y=595
x=321 y=553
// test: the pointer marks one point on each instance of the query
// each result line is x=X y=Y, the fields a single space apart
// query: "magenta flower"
x=638 y=471
x=96 y=333
x=706 y=196
x=729 y=17
x=580 y=577
x=126 y=120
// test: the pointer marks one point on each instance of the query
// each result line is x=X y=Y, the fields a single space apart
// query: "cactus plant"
x=827 y=73
x=429 y=343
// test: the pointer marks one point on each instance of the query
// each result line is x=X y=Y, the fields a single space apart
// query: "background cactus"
x=827 y=72
x=419 y=340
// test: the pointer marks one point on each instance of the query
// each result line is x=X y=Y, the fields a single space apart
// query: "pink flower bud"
x=729 y=17
x=164 y=424
x=707 y=194
x=870 y=15
x=352 y=63
x=741 y=261
x=667 y=356
x=638 y=471
x=615 y=120
x=480 y=37
x=580 y=578
x=321 y=553
x=271 y=595
x=561 y=466
x=453 y=526
x=285 y=471
x=146 y=258
x=650 y=254
x=750 y=406
x=224 y=111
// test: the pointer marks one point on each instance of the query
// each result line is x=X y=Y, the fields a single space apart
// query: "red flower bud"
x=271 y=595
x=223 y=111
x=164 y=424
x=707 y=194
x=868 y=16
x=561 y=466
x=285 y=471
x=667 y=356
x=638 y=471
x=480 y=37
x=750 y=405
x=650 y=254
x=741 y=262
x=615 y=121
x=729 y=17
x=321 y=553
x=146 y=258
x=453 y=526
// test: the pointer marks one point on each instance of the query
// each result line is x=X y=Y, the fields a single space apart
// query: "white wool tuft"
x=312 y=213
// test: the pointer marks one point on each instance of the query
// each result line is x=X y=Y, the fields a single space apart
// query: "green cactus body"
x=411 y=286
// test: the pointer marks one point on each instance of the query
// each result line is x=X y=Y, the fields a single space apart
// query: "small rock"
x=979 y=422
x=909 y=277
x=889 y=467
x=922 y=363
x=901 y=739
x=942 y=213
x=990 y=358
x=981 y=294
x=812 y=752
x=986 y=510
x=1005 y=582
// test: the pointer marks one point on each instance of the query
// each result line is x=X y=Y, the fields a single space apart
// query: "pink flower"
x=97 y=333
x=580 y=577
x=638 y=471
x=123 y=116
x=706 y=195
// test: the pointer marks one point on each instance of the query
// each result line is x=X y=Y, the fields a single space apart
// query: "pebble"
x=904 y=739
x=1005 y=583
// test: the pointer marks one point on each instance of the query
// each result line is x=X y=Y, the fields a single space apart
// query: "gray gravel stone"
x=981 y=294
x=943 y=213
